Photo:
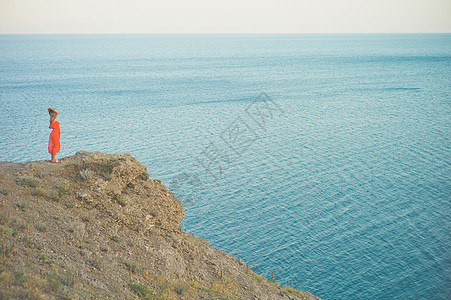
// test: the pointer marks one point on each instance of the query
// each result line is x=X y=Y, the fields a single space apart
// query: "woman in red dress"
x=54 y=139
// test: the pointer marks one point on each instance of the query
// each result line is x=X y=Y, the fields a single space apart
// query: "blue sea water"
x=324 y=159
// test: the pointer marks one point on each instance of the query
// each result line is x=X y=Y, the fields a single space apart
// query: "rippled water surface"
x=339 y=182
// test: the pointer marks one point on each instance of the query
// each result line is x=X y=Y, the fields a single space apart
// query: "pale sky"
x=224 y=16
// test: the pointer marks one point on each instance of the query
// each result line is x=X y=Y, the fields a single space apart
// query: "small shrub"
x=287 y=289
x=180 y=289
x=85 y=174
x=108 y=175
x=67 y=280
x=41 y=227
x=53 y=197
x=71 y=164
x=115 y=239
x=121 y=201
x=57 y=282
x=7 y=249
x=141 y=290
x=38 y=191
x=28 y=241
x=86 y=218
x=94 y=263
x=19 y=277
x=104 y=248
x=108 y=170
x=132 y=267
x=4 y=191
x=53 y=282
x=144 y=176
x=37 y=245
x=130 y=244
x=69 y=204
x=28 y=181
x=154 y=213
x=40 y=175
x=22 y=206
x=117 y=157
x=8 y=231
x=62 y=190
x=17 y=224
x=42 y=257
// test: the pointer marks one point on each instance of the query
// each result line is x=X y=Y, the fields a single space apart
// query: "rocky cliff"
x=94 y=226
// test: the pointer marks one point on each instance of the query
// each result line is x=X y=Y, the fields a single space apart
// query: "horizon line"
x=216 y=33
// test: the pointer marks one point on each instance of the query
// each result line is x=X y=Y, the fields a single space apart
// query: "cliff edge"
x=94 y=226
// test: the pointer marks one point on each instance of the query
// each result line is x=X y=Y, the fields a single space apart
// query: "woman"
x=54 y=139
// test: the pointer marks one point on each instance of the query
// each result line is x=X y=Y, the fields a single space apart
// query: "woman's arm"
x=53 y=114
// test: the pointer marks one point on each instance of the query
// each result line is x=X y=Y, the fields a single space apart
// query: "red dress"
x=54 y=139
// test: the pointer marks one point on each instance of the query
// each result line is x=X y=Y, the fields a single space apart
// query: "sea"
x=321 y=160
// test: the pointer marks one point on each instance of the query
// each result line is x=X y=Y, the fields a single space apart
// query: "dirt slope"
x=94 y=226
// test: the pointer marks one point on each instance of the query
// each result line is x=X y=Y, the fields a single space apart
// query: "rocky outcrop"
x=120 y=187
x=96 y=225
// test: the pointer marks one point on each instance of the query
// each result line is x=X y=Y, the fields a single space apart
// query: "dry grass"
x=4 y=191
x=7 y=231
x=142 y=290
x=62 y=190
x=41 y=227
x=39 y=192
x=133 y=267
x=28 y=181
